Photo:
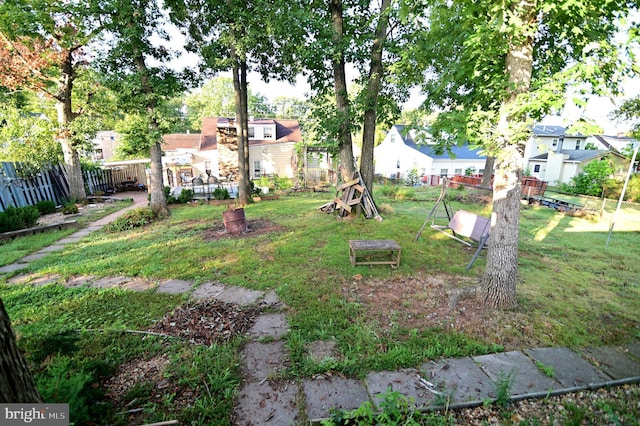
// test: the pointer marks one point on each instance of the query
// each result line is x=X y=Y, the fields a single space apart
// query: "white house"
x=399 y=153
x=554 y=156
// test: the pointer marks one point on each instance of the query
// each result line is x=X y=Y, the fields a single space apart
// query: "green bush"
x=282 y=183
x=185 y=196
x=46 y=207
x=221 y=194
x=70 y=209
x=15 y=218
x=134 y=218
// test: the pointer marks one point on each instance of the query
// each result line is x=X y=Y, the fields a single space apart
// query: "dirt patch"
x=449 y=302
x=255 y=227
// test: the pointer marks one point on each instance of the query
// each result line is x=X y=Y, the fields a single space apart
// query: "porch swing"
x=465 y=227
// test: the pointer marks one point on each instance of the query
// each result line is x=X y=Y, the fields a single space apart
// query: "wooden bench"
x=468 y=225
x=374 y=252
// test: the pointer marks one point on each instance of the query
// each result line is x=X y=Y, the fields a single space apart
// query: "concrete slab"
x=272 y=325
x=45 y=279
x=23 y=278
x=32 y=257
x=80 y=234
x=632 y=349
x=264 y=360
x=13 y=267
x=240 y=296
x=272 y=299
x=404 y=381
x=267 y=403
x=69 y=240
x=613 y=362
x=79 y=281
x=569 y=368
x=109 y=282
x=206 y=291
x=51 y=248
x=323 y=395
x=138 y=284
x=460 y=379
x=527 y=378
x=174 y=286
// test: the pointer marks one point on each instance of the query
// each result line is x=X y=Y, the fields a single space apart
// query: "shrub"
x=15 y=218
x=134 y=218
x=412 y=178
x=70 y=208
x=185 y=196
x=46 y=207
x=221 y=194
x=282 y=183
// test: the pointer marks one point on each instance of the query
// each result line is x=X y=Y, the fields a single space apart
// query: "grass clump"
x=134 y=218
x=46 y=207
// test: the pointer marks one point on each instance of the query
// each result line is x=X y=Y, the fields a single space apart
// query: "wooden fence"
x=19 y=188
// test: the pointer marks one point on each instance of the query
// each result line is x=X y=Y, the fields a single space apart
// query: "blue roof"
x=463 y=152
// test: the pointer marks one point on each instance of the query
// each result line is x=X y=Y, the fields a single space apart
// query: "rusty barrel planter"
x=234 y=221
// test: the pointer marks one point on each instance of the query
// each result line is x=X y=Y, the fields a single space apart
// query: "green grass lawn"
x=571 y=292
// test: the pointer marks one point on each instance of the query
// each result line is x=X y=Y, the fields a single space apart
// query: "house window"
x=458 y=172
x=536 y=168
x=578 y=144
x=393 y=138
x=268 y=133
x=99 y=155
x=252 y=132
x=257 y=169
x=398 y=164
x=444 y=172
x=554 y=143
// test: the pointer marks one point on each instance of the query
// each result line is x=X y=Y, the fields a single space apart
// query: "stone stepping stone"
x=264 y=360
x=568 y=367
x=206 y=291
x=240 y=296
x=272 y=325
x=174 y=287
x=459 y=378
x=79 y=281
x=109 y=282
x=69 y=239
x=33 y=256
x=527 y=378
x=13 y=267
x=138 y=284
x=403 y=381
x=272 y=299
x=267 y=403
x=327 y=393
x=51 y=248
x=613 y=362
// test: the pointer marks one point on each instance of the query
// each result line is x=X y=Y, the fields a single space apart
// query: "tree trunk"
x=498 y=284
x=157 y=202
x=16 y=383
x=242 y=120
x=65 y=117
x=371 y=100
x=488 y=171
x=342 y=98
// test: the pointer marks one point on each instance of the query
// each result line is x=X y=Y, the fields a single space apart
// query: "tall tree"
x=239 y=36
x=136 y=39
x=16 y=382
x=492 y=68
x=41 y=49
